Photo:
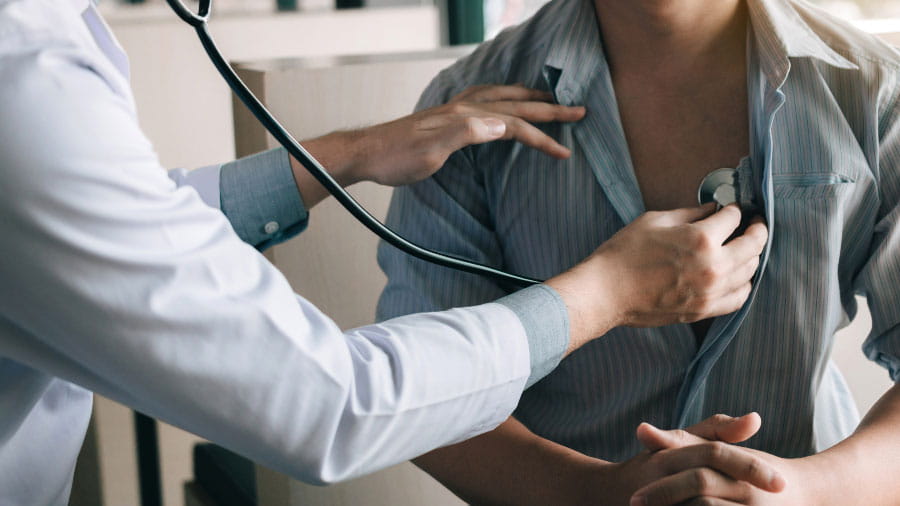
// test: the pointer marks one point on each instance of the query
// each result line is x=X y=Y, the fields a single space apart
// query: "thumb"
x=655 y=439
x=726 y=428
x=715 y=428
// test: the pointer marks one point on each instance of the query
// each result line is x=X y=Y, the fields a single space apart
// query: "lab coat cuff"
x=546 y=321
x=260 y=197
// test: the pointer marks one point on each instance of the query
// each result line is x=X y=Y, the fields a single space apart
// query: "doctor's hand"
x=663 y=268
x=414 y=147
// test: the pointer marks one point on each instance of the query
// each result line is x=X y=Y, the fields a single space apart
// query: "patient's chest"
x=676 y=138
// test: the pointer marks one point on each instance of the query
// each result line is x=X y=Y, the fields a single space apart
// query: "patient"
x=807 y=109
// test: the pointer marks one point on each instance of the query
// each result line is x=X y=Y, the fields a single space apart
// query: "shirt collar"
x=781 y=33
x=576 y=51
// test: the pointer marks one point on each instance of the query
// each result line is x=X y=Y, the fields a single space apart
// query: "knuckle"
x=701 y=481
x=472 y=127
x=715 y=450
x=744 y=491
x=703 y=242
x=755 y=468
x=456 y=108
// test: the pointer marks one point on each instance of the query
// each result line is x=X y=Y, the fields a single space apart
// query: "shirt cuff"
x=260 y=198
x=546 y=320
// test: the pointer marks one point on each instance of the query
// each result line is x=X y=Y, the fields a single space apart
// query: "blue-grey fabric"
x=825 y=139
x=546 y=320
x=259 y=190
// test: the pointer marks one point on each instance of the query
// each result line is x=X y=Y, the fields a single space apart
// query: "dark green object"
x=465 y=20
x=348 y=4
x=149 y=478
x=286 y=5
x=228 y=478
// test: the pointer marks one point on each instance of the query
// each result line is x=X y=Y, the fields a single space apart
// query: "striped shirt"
x=824 y=167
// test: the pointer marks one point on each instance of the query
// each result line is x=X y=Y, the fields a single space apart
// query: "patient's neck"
x=675 y=40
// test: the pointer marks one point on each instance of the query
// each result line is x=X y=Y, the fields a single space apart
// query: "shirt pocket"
x=810 y=185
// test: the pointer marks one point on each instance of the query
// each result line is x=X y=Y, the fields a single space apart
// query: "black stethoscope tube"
x=198 y=21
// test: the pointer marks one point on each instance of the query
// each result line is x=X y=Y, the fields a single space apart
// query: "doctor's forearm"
x=862 y=468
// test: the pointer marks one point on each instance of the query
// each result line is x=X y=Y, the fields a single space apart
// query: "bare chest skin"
x=676 y=138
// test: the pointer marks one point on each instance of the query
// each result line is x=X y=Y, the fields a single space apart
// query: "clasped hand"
x=701 y=465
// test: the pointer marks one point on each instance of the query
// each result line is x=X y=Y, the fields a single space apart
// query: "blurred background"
x=172 y=78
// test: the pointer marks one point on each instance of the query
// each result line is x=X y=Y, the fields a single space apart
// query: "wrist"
x=585 y=289
x=341 y=153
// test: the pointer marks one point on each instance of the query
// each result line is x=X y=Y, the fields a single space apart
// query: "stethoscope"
x=717 y=186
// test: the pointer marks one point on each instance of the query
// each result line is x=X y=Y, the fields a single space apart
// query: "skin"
x=675 y=261
x=681 y=59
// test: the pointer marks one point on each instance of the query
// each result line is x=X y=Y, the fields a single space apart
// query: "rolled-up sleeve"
x=879 y=279
x=257 y=193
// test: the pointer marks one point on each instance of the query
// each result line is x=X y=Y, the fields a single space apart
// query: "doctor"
x=121 y=279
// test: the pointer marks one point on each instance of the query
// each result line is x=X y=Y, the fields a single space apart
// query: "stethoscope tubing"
x=199 y=22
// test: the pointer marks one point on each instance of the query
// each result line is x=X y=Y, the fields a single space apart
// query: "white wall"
x=186 y=112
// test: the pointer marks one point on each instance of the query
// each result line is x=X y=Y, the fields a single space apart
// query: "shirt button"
x=271 y=227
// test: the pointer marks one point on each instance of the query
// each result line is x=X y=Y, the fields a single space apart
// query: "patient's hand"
x=663 y=268
x=687 y=481
x=702 y=446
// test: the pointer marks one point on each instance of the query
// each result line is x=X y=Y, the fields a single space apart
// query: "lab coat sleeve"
x=879 y=280
x=450 y=213
x=257 y=193
x=116 y=279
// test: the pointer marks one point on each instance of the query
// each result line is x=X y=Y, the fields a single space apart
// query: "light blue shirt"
x=824 y=168
x=115 y=279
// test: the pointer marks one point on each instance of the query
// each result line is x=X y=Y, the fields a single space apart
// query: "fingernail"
x=495 y=126
x=638 y=500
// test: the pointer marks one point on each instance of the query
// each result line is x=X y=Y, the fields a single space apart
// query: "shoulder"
x=508 y=58
x=878 y=74
x=859 y=47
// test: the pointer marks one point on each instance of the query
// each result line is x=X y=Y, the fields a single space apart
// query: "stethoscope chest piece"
x=719 y=186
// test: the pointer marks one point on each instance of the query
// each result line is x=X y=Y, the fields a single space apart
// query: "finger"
x=528 y=134
x=726 y=428
x=655 y=439
x=728 y=303
x=733 y=461
x=493 y=93
x=709 y=501
x=534 y=112
x=740 y=276
x=722 y=224
x=749 y=244
x=691 y=484
x=684 y=216
x=715 y=428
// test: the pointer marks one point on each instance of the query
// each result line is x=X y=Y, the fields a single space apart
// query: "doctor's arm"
x=120 y=281
x=267 y=196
